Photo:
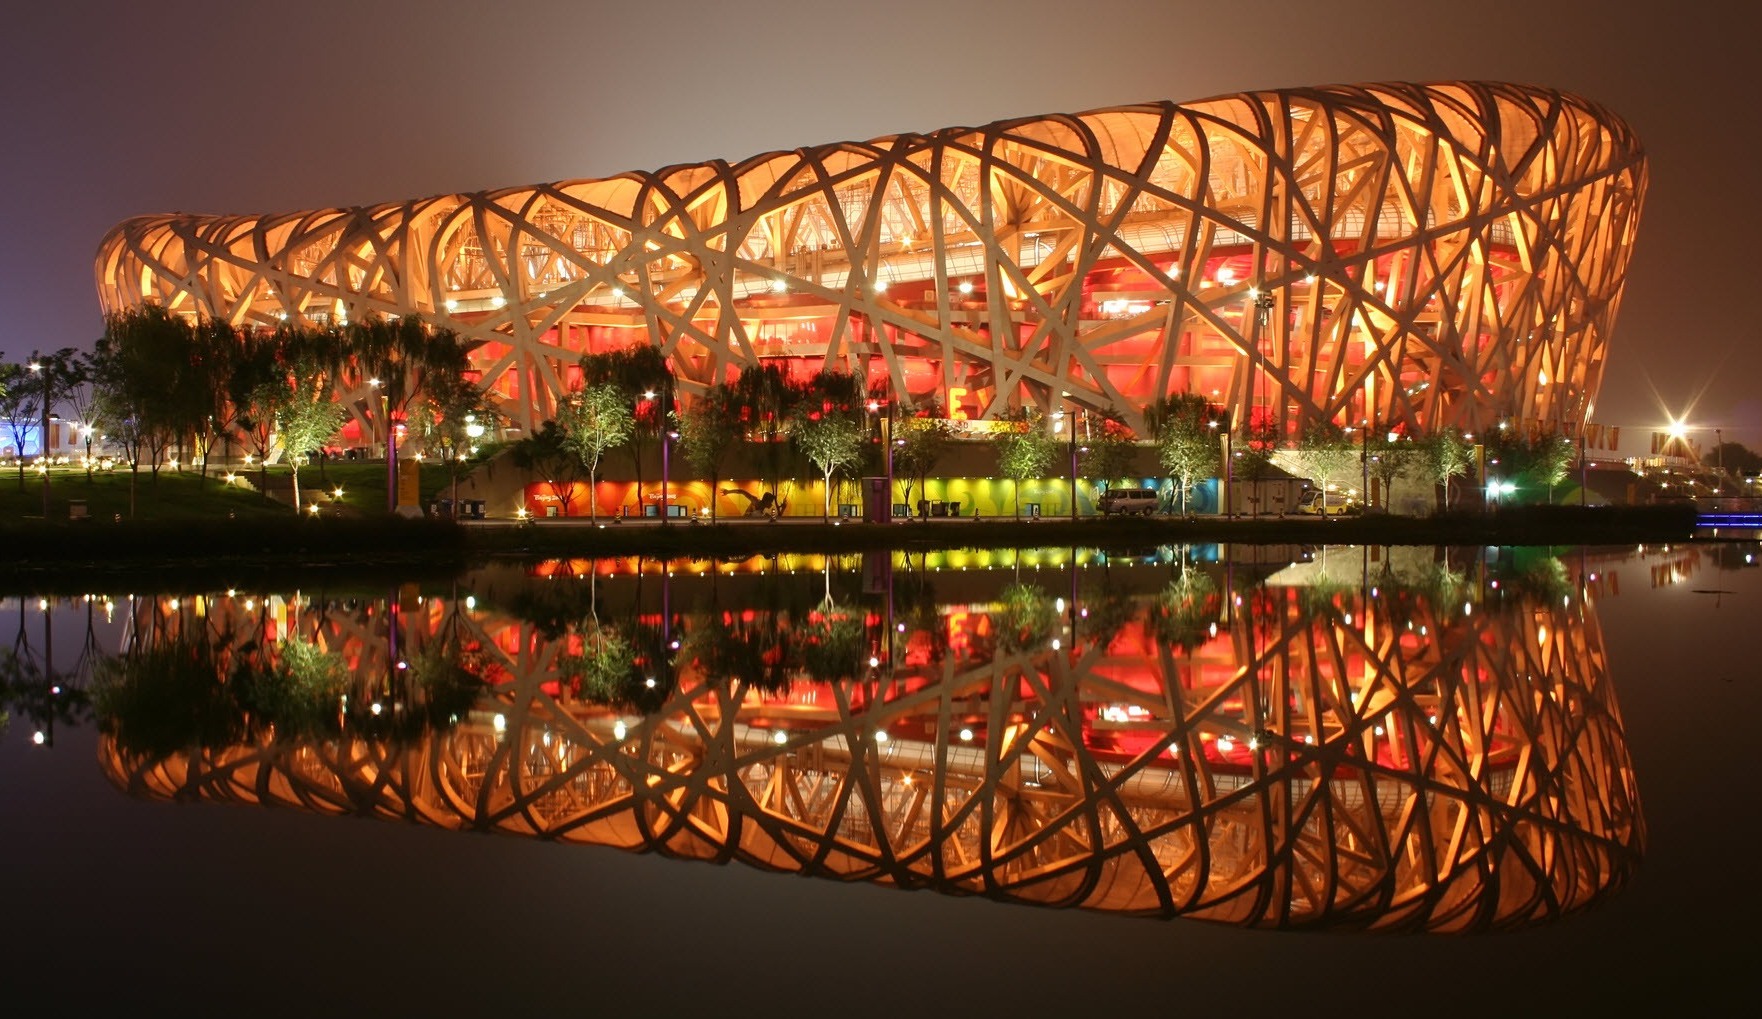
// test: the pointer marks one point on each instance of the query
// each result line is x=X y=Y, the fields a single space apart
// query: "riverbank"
x=34 y=546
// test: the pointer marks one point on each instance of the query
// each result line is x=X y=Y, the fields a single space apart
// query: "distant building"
x=1409 y=256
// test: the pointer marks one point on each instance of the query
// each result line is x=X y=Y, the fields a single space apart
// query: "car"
x=1125 y=501
x=1317 y=502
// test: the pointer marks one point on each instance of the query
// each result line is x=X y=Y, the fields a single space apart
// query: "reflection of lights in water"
x=1106 y=723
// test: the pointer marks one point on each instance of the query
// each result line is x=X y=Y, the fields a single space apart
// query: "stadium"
x=1411 y=257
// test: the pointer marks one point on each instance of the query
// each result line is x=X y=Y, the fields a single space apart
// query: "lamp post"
x=1068 y=421
x=46 y=378
x=667 y=435
x=391 y=445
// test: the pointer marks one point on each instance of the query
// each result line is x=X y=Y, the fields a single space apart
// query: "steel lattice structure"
x=1412 y=255
x=1328 y=758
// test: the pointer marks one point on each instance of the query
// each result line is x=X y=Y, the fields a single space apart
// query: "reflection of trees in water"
x=1108 y=608
x=834 y=647
x=215 y=678
x=1186 y=609
x=1024 y=617
x=167 y=697
x=627 y=666
x=42 y=697
x=1314 y=766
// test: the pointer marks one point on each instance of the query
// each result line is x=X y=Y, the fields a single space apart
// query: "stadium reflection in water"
x=1346 y=742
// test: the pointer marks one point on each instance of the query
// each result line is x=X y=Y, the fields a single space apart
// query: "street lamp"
x=391 y=445
x=36 y=366
x=1062 y=419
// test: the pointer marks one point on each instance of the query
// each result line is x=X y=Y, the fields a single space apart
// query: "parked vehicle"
x=1317 y=502
x=1123 y=501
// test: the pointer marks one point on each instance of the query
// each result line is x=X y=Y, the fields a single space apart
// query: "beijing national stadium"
x=1411 y=256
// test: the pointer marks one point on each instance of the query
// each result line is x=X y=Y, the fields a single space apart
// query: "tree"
x=1024 y=450
x=140 y=369
x=1447 y=455
x=1327 y=456
x=765 y=396
x=1186 y=427
x=408 y=359
x=548 y=454
x=919 y=443
x=305 y=414
x=594 y=420
x=1529 y=462
x=707 y=429
x=1392 y=455
x=641 y=373
x=18 y=407
x=827 y=425
x=455 y=409
x=1108 y=449
x=219 y=350
x=256 y=388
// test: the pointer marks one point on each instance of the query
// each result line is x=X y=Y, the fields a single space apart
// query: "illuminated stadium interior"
x=1408 y=256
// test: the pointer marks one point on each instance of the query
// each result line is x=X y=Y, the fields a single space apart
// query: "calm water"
x=1325 y=766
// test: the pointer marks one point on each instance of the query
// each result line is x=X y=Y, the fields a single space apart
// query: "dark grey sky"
x=115 y=109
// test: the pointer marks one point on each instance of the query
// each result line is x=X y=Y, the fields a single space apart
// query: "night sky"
x=114 y=110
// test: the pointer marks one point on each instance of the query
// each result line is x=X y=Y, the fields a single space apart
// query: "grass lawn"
x=185 y=495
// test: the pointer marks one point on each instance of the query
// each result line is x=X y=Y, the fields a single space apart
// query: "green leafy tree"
x=1392 y=455
x=827 y=424
x=1024 y=450
x=1108 y=449
x=1186 y=430
x=707 y=430
x=306 y=415
x=920 y=441
x=1446 y=455
x=1532 y=463
x=594 y=420
x=1327 y=456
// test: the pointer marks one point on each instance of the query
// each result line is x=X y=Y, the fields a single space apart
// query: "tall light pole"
x=46 y=379
x=391 y=445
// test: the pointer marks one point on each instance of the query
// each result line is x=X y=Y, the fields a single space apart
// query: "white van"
x=1124 y=501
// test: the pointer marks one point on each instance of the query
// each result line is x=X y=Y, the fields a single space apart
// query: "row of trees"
x=627 y=401
x=158 y=383
x=1185 y=431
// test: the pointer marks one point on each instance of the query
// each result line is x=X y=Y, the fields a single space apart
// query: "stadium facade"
x=1405 y=256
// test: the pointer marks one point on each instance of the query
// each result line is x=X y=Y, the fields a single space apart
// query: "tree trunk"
x=294 y=466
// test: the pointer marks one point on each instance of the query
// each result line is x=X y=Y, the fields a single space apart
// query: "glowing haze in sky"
x=113 y=110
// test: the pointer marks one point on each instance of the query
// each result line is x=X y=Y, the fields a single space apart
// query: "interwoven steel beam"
x=1401 y=255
